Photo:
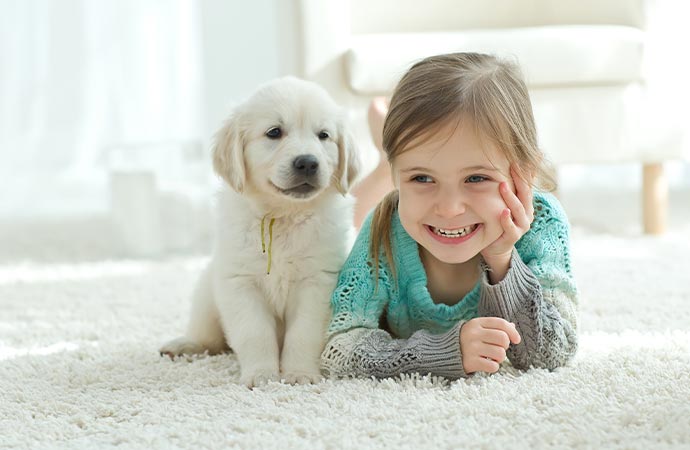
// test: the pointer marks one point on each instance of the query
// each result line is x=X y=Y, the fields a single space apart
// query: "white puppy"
x=284 y=230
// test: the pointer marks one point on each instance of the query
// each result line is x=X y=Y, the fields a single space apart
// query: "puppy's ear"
x=228 y=154
x=349 y=161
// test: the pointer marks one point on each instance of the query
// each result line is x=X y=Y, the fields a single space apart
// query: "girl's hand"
x=515 y=220
x=484 y=341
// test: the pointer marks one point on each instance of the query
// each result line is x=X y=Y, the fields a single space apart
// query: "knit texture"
x=538 y=294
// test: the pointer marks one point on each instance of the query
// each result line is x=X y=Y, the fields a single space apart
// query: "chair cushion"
x=550 y=56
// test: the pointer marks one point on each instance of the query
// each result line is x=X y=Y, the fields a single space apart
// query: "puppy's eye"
x=274 y=133
x=323 y=135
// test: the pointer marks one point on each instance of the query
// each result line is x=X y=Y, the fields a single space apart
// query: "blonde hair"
x=444 y=88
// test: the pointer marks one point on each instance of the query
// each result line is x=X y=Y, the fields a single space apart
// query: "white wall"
x=234 y=46
x=245 y=43
x=83 y=80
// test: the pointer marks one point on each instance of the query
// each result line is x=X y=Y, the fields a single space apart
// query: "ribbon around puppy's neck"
x=270 y=240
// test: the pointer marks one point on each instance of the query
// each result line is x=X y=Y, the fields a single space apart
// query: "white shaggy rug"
x=79 y=331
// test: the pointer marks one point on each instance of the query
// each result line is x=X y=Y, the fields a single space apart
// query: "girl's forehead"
x=456 y=144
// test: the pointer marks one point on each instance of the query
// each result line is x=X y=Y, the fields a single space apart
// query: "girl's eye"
x=422 y=179
x=274 y=133
x=323 y=135
x=476 y=179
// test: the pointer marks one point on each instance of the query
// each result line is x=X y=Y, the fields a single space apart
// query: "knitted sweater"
x=538 y=294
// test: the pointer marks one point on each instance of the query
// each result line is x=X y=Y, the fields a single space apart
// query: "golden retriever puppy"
x=284 y=229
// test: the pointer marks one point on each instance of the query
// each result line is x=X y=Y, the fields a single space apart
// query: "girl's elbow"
x=549 y=358
x=558 y=357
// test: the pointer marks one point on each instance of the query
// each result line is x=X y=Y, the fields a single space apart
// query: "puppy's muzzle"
x=305 y=166
x=303 y=179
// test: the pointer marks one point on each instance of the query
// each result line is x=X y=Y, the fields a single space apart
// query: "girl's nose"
x=449 y=203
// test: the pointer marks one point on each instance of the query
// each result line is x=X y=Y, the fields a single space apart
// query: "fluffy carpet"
x=79 y=367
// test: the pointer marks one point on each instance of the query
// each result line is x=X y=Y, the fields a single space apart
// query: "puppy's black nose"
x=306 y=165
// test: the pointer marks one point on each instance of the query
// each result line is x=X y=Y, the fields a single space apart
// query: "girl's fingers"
x=502 y=325
x=524 y=193
x=494 y=352
x=515 y=205
x=509 y=226
x=513 y=334
x=496 y=337
x=494 y=323
x=487 y=365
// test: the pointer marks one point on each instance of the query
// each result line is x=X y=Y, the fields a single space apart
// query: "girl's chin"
x=449 y=257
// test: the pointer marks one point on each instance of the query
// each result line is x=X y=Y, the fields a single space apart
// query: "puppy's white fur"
x=275 y=322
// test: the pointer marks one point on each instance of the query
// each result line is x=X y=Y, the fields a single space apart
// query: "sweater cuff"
x=441 y=352
x=511 y=295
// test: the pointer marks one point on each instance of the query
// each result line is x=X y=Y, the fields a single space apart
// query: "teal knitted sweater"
x=398 y=328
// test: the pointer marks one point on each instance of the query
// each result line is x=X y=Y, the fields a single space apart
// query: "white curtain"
x=82 y=79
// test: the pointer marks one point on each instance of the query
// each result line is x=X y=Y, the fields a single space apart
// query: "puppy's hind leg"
x=204 y=331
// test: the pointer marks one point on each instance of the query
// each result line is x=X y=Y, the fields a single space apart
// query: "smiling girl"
x=466 y=262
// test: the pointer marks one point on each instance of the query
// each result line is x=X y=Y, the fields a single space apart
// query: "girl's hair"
x=443 y=89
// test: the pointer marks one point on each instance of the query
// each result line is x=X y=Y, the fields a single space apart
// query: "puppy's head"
x=288 y=140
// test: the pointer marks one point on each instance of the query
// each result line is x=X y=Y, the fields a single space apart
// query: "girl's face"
x=449 y=198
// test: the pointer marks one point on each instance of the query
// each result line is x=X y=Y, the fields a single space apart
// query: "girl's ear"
x=228 y=153
x=349 y=162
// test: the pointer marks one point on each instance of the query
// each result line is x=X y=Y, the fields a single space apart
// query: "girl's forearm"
x=546 y=321
x=498 y=267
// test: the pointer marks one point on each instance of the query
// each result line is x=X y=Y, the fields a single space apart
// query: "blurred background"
x=108 y=108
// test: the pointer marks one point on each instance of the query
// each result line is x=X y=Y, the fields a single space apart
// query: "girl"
x=462 y=265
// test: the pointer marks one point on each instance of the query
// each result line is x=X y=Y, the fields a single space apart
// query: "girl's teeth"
x=455 y=233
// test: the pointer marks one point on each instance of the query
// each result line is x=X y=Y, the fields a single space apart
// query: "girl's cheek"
x=410 y=201
x=489 y=205
x=487 y=197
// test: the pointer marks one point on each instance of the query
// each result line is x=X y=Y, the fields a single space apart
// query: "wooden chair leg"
x=654 y=198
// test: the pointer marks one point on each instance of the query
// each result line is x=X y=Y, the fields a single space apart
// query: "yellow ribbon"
x=270 y=240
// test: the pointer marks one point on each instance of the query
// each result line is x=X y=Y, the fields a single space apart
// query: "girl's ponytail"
x=381 y=227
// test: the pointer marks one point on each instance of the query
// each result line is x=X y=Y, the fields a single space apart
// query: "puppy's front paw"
x=258 y=378
x=296 y=377
x=181 y=346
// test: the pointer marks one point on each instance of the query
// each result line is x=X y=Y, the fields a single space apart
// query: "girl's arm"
x=538 y=293
x=367 y=352
x=358 y=347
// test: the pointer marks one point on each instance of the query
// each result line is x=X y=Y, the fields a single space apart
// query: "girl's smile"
x=453 y=236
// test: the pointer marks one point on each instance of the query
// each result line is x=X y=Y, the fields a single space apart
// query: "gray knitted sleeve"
x=374 y=353
x=545 y=318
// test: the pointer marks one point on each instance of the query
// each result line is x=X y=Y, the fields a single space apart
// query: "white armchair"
x=582 y=59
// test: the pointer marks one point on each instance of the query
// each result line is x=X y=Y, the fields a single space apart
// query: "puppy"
x=284 y=229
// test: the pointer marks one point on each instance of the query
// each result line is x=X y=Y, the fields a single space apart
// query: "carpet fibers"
x=79 y=367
